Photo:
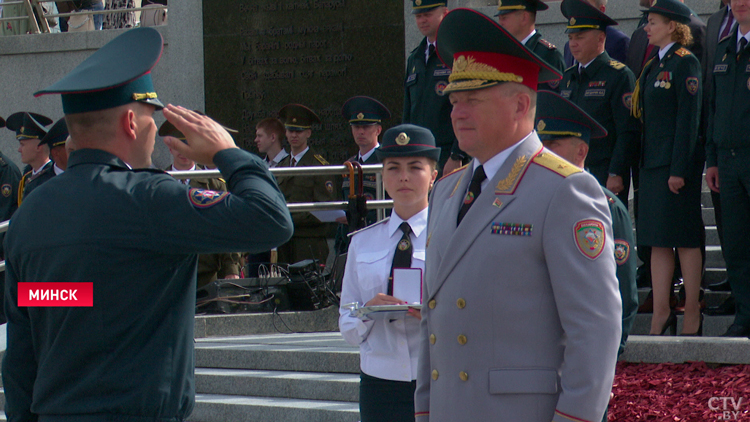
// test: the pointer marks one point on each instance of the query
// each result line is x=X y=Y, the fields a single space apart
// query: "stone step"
x=709 y=218
x=715 y=275
x=712 y=235
x=227 y=408
x=713 y=326
x=712 y=298
x=313 y=352
x=706 y=199
x=259 y=323
x=658 y=349
x=283 y=384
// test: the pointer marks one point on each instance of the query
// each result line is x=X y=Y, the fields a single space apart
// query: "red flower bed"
x=690 y=392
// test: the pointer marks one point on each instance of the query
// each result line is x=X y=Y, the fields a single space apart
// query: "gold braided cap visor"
x=478 y=69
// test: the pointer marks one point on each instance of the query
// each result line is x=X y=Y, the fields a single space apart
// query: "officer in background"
x=603 y=88
x=566 y=130
x=728 y=158
x=365 y=115
x=56 y=141
x=617 y=43
x=30 y=129
x=513 y=322
x=519 y=18
x=210 y=266
x=310 y=234
x=9 y=178
x=133 y=233
x=269 y=136
x=425 y=104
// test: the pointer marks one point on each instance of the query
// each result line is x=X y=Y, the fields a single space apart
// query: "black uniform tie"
x=743 y=44
x=430 y=51
x=402 y=257
x=475 y=188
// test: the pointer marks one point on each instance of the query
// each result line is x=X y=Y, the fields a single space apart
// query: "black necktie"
x=293 y=162
x=361 y=161
x=475 y=188
x=430 y=51
x=743 y=44
x=402 y=257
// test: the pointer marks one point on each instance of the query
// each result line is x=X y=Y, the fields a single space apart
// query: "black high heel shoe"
x=697 y=333
x=670 y=324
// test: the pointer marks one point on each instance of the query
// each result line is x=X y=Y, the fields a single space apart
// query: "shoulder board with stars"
x=682 y=52
x=385 y=220
x=556 y=164
x=454 y=171
x=547 y=44
x=615 y=64
x=321 y=159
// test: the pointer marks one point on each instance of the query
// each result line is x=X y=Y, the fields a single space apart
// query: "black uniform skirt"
x=665 y=219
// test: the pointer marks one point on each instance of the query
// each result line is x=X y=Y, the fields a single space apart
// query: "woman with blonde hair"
x=667 y=98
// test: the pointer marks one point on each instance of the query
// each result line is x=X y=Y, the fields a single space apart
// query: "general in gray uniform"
x=521 y=317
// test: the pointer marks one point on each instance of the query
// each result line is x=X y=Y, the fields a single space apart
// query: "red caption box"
x=56 y=294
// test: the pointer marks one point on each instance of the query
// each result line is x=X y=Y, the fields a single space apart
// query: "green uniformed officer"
x=132 y=234
x=210 y=266
x=519 y=18
x=668 y=101
x=56 y=140
x=9 y=178
x=309 y=240
x=365 y=115
x=727 y=159
x=425 y=104
x=603 y=88
x=30 y=129
x=567 y=130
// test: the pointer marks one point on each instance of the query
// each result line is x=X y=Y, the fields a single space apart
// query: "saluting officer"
x=565 y=129
x=30 y=129
x=365 y=115
x=425 y=103
x=515 y=326
x=602 y=87
x=728 y=157
x=519 y=18
x=309 y=240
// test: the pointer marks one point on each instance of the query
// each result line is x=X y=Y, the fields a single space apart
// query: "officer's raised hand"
x=204 y=137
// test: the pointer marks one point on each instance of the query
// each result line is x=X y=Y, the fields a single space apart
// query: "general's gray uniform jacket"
x=523 y=326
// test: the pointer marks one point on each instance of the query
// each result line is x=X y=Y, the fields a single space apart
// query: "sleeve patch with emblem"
x=589 y=237
x=627 y=100
x=201 y=198
x=6 y=190
x=692 y=85
x=622 y=251
x=329 y=186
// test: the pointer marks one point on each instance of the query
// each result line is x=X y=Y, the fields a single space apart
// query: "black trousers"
x=385 y=400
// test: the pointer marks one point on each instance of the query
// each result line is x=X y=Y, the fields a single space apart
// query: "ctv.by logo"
x=728 y=408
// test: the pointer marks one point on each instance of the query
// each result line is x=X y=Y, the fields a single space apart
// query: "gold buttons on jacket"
x=461 y=303
x=463 y=375
x=432 y=338
x=462 y=339
x=434 y=374
x=432 y=304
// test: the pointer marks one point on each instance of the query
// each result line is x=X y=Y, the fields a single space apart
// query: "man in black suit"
x=639 y=53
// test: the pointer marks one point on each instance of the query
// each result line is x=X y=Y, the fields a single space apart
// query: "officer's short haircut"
x=272 y=126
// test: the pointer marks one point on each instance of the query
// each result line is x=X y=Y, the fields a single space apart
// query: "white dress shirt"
x=298 y=157
x=492 y=166
x=277 y=159
x=387 y=350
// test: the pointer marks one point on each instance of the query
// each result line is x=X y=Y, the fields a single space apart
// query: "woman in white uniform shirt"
x=389 y=349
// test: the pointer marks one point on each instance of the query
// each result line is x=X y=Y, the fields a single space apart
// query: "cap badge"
x=402 y=139
x=460 y=64
x=418 y=2
x=541 y=125
x=572 y=21
x=23 y=129
x=360 y=116
x=294 y=120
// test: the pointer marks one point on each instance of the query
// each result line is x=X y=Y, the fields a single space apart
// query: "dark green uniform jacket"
x=219 y=265
x=604 y=91
x=425 y=104
x=309 y=240
x=29 y=183
x=731 y=75
x=671 y=95
x=550 y=54
x=9 y=178
x=135 y=236
x=622 y=230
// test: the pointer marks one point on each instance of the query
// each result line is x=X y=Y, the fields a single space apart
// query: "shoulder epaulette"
x=454 y=171
x=547 y=44
x=615 y=64
x=369 y=227
x=222 y=180
x=556 y=164
x=682 y=52
x=320 y=159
